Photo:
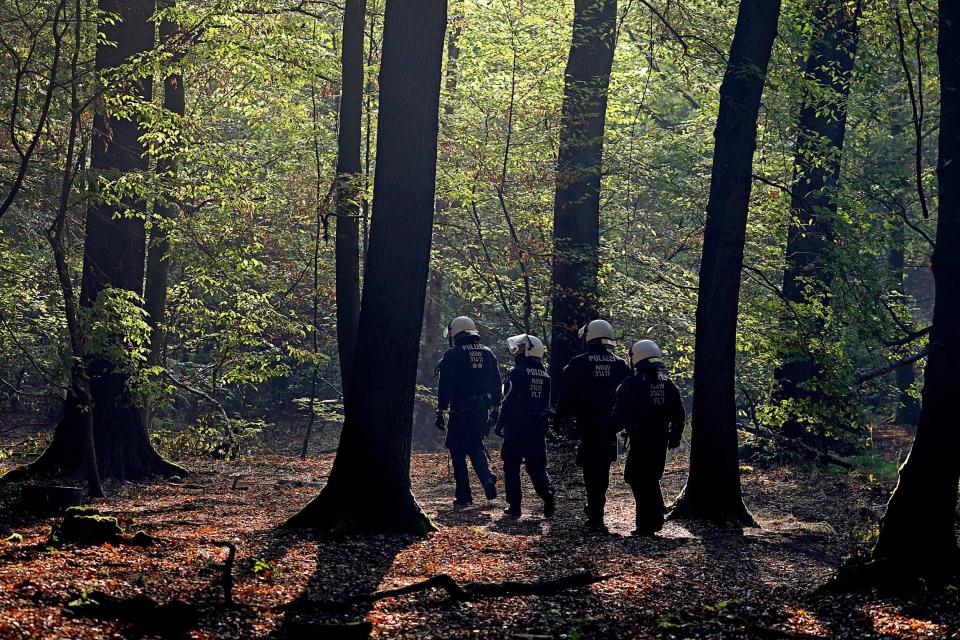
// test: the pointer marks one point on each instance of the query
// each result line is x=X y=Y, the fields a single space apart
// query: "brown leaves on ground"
x=695 y=581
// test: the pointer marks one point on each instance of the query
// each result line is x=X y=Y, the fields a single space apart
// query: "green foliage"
x=877 y=466
x=209 y=437
x=265 y=568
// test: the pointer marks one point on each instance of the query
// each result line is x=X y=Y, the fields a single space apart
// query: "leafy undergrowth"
x=696 y=581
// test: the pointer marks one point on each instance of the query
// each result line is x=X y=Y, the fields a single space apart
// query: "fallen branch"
x=469 y=592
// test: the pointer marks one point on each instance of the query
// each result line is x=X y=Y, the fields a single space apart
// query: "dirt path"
x=695 y=581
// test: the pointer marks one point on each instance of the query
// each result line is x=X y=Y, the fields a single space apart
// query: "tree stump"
x=37 y=498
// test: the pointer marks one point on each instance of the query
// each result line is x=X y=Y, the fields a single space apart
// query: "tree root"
x=893 y=576
x=333 y=513
x=735 y=517
x=469 y=592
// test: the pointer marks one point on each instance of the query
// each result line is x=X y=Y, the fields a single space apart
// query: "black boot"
x=597 y=526
x=549 y=506
x=513 y=511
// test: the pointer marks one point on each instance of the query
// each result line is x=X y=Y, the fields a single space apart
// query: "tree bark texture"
x=424 y=432
x=113 y=257
x=918 y=530
x=576 y=207
x=713 y=487
x=347 y=189
x=369 y=485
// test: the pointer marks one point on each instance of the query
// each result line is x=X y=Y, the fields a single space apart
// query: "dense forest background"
x=243 y=197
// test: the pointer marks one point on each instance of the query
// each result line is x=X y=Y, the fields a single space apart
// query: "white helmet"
x=597 y=329
x=529 y=345
x=645 y=350
x=458 y=326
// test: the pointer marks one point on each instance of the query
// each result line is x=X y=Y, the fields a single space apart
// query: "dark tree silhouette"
x=918 y=531
x=430 y=350
x=713 y=487
x=576 y=205
x=113 y=258
x=347 y=187
x=813 y=205
x=369 y=485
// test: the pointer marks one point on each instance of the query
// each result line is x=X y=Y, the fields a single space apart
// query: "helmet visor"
x=516 y=343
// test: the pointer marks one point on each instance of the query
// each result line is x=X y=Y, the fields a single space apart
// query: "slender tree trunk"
x=158 y=258
x=429 y=356
x=113 y=257
x=576 y=205
x=918 y=531
x=72 y=451
x=813 y=205
x=908 y=408
x=713 y=487
x=369 y=485
x=347 y=193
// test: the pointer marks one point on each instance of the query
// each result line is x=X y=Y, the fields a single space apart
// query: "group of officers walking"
x=599 y=396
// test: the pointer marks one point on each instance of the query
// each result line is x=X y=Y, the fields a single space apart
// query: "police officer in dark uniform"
x=587 y=391
x=649 y=408
x=523 y=423
x=470 y=387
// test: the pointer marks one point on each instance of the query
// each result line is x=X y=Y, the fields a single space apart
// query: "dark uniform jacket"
x=649 y=408
x=587 y=391
x=526 y=397
x=469 y=386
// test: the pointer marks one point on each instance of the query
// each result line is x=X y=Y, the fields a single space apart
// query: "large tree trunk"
x=114 y=252
x=918 y=531
x=813 y=205
x=347 y=192
x=430 y=352
x=576 y=205
x=713 y=487
x=369 y=485
x=158 y=258
x=113 y=257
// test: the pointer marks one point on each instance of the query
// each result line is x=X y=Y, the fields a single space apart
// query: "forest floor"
x=695 y=581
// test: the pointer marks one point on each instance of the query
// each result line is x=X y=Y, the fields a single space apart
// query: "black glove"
x=493 y=419
x=441 y=422
x=673 y=444
x=547 y=417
